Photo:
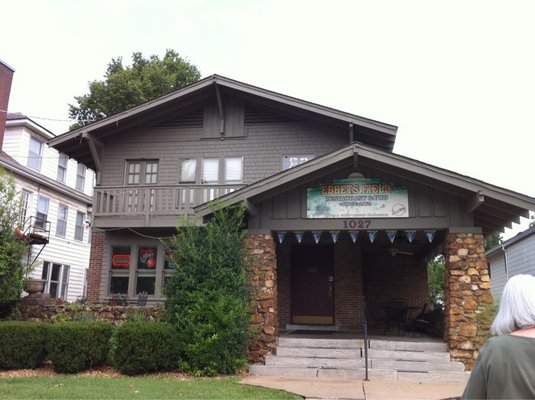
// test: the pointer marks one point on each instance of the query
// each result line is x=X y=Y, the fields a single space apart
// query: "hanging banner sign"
x=358 y=198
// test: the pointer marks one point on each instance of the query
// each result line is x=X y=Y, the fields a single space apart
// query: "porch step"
x=344 y=359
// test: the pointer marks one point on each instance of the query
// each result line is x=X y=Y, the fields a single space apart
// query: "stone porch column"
x=95 y=265
x=468 y=299
x=262 y=274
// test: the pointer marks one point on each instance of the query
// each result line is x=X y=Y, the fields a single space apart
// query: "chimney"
x=6 y=76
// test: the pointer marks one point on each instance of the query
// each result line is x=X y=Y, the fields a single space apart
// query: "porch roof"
x=77 y=143
x=493 y=207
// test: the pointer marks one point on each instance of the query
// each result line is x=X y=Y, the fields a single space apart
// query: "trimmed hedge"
x=22 y=344
x=77 y=346
x=140 y=347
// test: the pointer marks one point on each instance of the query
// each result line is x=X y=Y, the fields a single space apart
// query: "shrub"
x=140 y=347
x=77 y=346
x=22 y=344
x=207 y=295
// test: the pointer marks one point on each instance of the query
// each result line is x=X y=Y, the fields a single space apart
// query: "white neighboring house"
x=514 y=256
x=55 y=189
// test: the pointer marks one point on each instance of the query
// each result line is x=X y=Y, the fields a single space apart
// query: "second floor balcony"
x=151 y=205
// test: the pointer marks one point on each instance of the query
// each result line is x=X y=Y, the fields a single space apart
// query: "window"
x=141 y=172
x=120 y=267
x=79 y=228
x=61 y=225
x=80 y=177
x=62 y=167
x=210 y=170
x=233 y=170
x=25 y=205
x=57 y=279
x=42 y=212
x=146 y=270
x=293 y=160
x=35 y=154
x=188 y=169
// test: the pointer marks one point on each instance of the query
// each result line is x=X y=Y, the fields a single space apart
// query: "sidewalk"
x=354 y=389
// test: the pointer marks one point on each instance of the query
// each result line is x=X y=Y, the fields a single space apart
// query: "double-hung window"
x=35 y=154
x=57 y=279
x=62 y=167
x=61 y=225
x=24 y=206
x=80 y=177
x=41 y=215
x=79 y=227
x=142 y=172
x=233 y=170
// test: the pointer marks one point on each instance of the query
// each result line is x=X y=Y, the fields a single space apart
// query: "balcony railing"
x=154 y=199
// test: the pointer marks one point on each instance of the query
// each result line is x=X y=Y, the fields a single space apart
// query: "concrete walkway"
x=318 y=388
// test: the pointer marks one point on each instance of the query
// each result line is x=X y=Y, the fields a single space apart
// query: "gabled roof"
x=72 y=143
x=493 y=207
x=19 y=119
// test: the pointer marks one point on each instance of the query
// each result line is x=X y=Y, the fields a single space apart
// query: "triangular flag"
x=391 y=235
x=299 y=236
x=410 y=235
x=334 y=235
x=317 y=236
x=430 y=235
x=353 y=235
x=372 y=235
x=280 y=236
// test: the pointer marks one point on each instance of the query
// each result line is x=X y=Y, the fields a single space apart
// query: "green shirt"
x=505 y=369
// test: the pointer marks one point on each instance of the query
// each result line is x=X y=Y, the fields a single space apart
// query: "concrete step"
x=433 y=376
x=314 y=362
x=409 y=355
x=312 y=352
x=321 y=343
x=417 y=366
x=408 y=345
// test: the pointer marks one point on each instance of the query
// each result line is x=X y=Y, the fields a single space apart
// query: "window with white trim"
x=35 y=154
x=79 y=227
x=63 y=160
x=41 y=216
x=80 y=177
x=24 y=206
x=57 y=279
x=61 y=224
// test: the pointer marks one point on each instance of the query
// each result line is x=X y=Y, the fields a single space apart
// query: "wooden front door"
x=312 y=287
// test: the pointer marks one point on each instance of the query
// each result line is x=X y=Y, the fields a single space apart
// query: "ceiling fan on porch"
x=392 y=251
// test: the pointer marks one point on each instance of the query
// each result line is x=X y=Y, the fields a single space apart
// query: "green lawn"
x=84 y=387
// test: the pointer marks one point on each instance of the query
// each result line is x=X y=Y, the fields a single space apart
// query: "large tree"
x=124 y=87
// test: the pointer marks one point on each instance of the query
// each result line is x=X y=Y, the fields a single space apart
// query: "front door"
x=312 y=287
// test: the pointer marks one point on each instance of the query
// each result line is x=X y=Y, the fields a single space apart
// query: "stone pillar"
x=95 y=265
x=262 y=274
x=468 y=299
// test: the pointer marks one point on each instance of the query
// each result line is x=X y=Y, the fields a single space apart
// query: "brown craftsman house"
x=337 y=222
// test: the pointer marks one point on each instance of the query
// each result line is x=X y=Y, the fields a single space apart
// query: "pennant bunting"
x=280 y=236
x=299 y=236
x=430 y=235
x=372 y=235
x=410 y=235
x=334 y=235
x=391 y=235
x=317 y=236
x=353 y=235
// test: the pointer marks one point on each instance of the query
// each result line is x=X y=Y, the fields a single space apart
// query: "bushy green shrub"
x=207 y=295
x=140 y=347
x=77 y=346
x=22 y=344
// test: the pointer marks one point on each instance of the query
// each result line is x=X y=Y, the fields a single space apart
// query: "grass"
x=83 y=387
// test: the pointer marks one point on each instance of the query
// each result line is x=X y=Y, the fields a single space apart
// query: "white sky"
x=456 y=77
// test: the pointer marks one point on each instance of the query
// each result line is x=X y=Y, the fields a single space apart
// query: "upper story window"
x=62 y=167
x=293 y=160
x=188 y=169
x=233 y=170
x=142 y=172
x=41 y=215
x=24 y=206
x=79 y=227
x=35 y=154
x=61 y=224
x=210 y=170
x=80 y=177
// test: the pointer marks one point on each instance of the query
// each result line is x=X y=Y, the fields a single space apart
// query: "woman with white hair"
x=505 y=367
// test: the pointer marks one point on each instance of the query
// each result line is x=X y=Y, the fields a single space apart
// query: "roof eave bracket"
x=473 y=204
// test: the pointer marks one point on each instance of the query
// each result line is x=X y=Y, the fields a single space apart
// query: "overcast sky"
x=456 y=77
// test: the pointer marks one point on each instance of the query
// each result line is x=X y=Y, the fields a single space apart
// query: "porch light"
x=372 y=235
x=430 y=235
x=280 y=236
x=391 y=235
x=410 y=235
x=299 y=236
x=317 y=236
x=353 y=235
x=334 y=235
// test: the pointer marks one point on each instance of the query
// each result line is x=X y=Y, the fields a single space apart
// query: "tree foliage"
x=125 y=87
x=492 y=241
x=207 y=295
x=11 y=247
x=435 y=281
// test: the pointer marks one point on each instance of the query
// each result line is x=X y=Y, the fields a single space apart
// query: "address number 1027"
x=357 y=223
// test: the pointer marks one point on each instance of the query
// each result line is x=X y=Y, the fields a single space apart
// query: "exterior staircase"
x=345 y=359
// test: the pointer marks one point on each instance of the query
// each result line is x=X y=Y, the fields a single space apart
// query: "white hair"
x=517 y=306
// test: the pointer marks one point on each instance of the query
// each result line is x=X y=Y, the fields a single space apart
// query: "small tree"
x=207 y=296
x=12 y=247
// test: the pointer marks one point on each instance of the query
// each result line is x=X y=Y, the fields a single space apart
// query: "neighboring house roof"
x=7 y=65
x=12 y=165
x=493 y=207
x=19 y=119
x=515 y=239
x=377 y=133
